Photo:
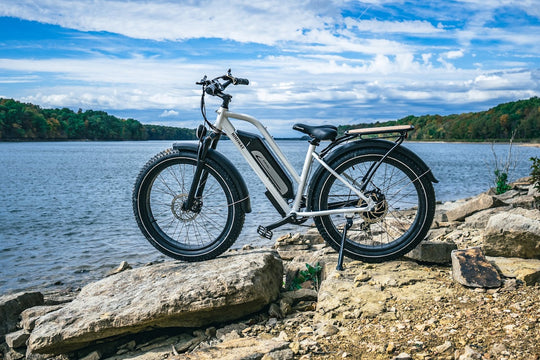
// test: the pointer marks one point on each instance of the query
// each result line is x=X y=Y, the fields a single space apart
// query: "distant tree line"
x=21 y=121
x=521 y=118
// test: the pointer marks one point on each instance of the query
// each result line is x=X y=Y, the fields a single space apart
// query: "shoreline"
x=414 y=297
x=527 y=144
x=531 y=143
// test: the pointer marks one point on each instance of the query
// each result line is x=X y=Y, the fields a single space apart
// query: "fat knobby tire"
x=201 y=241
x=421 y=189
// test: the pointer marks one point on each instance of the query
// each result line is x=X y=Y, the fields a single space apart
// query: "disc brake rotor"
x=178 y=212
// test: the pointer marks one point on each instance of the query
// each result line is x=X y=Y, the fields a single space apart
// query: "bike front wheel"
x=404 y=205
x=159 y=193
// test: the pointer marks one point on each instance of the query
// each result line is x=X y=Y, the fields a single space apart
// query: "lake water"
x=66 y=216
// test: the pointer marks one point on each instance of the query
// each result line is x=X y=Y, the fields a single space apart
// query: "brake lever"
x=202 y=82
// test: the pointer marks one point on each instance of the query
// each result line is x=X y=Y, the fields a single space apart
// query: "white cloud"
x=323 y=63
x=169 y=113
x=455 y=54
x=278 y=82
x=238 y=20
x=405 y=27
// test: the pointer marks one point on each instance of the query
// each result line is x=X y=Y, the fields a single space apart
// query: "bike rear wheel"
x=159 y=193
x=404 y=205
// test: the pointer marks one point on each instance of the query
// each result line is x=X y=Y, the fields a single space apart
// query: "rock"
x=309 y=345
x=513 y=234
x=29 y=316
x=478 y=203
x=285 y=307
x=94 y=355
x=275 y=311
x=433 y=252
x=447 y=348
x=497 y=350
x=304 y=331
x=340 y=297
x=313 y=237
x=294 y=247
x=14 y=354
x=362 y=277
x=526 y=270
x=17 y=339
x=521 y=195
x=470 y=268
x=290 y=254
x=122 y=267
x=244 y=348
x=372 y=309
x=470 y=354
x=289 y=239
x=189 y=343
x=480 y=219
x=285 y=354
x=295 y=347
x=170 y=294
x=403 y=356
x=300 y=295
x=11 y=307
x=435 y=234
x=326 y=329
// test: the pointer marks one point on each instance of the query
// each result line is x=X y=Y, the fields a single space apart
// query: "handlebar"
x=215 y=87
x=240 y=81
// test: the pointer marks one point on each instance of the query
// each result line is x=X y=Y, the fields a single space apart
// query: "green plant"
x=312 y=273
x=501 y=182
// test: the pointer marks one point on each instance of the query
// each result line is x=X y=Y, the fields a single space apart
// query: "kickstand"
x=343 y=237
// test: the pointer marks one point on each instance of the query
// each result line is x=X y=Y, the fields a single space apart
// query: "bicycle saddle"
x=322 y=132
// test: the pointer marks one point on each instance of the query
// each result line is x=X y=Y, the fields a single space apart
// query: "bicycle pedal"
x=264 y=232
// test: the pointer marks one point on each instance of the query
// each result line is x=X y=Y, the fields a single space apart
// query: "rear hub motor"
x=379 y=210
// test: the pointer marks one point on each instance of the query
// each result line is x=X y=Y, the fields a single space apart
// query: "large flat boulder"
x=171 y=294
x=515 y=233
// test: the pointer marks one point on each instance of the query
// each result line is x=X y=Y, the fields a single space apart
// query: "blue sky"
x=318 y=61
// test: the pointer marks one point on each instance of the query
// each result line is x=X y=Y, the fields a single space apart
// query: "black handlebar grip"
x=240 y=81
x=212 y=89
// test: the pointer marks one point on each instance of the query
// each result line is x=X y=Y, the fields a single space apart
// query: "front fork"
x=193 y=202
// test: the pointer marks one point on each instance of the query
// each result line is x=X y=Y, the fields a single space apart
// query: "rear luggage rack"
x=401 y=131
x=381 y=130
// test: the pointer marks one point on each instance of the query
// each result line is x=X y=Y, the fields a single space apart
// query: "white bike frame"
x=224 y=124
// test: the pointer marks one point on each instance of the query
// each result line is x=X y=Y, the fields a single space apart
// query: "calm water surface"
x=65 y=207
